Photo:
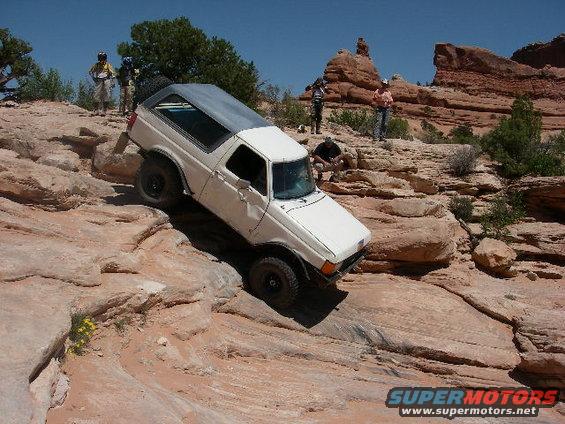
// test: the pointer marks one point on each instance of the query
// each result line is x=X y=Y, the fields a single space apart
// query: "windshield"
x=292 y=180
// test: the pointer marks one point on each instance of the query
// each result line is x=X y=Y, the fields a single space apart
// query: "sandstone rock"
x=494 y=255
x=48 y=186
x=476 y=70
x=538 y=240
x=84 y=146
x=351 y=78
x=116 y=167
x=65 y=160
x=539 y=55
x=545 y=195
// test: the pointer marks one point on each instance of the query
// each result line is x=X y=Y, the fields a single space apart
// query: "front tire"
x=274 y=281
x=158 y=183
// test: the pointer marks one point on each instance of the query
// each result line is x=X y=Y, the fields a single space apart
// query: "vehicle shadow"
x=208 y=233
x=314 y=305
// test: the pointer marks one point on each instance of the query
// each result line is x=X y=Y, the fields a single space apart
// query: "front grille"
x=351 y=260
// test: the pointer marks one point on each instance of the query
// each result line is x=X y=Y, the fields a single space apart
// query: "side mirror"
x=242 y=184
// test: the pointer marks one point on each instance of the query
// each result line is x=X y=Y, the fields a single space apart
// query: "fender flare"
x=284 y=252
x=157 y=151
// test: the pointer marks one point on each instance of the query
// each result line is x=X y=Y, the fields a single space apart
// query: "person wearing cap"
x=102 y=74
x=382 y=100
x=126 y=78
x=318 y=92
x=327 y=156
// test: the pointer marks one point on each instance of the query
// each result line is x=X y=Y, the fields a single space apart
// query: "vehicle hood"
x=333 y=226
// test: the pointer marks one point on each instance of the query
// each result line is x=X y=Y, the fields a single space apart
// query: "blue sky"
x=289 y=41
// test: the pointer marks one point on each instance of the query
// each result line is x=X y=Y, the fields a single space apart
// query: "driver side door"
x=237 y=191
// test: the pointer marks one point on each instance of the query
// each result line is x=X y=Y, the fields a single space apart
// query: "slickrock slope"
x=178 y=339
x=539 y=55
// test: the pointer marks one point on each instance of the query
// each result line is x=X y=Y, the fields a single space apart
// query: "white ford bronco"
x=200 y=141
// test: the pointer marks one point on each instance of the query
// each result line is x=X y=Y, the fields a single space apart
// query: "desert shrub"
x=82 y=329
x=427 y=110
x=398 y=128
x=516 y=144
x=361 y=120
x=48 y=85
x=289 y=112
x=85 y=95
x=463 y=134
x=502 y=211
x=461 y=207
x=431 y=135
x=464 y=160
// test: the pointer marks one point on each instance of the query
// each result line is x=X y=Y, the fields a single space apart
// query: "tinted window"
x=292 y=180
x=192 y=121
x=248 y=165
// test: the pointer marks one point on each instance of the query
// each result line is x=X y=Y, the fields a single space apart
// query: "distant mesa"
x=539 y=55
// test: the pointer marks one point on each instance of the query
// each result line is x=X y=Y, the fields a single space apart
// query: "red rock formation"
x=352 y=78
x=476 y=71
x=538 y=55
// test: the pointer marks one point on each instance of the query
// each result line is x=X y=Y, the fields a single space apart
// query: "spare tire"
x=150 y=87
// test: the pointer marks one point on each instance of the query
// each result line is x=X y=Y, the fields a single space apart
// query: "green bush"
x=184 y=53
x=85 y=96
x=516 y=144
x=502 y=211
x=431 y=135
x=461 y=207
x=45 y=86
x=15 y=61
x=398 y=128
x=463 y=134
x=289 y=112
x=360 y=120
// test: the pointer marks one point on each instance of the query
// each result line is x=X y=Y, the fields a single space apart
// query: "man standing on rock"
x=126 y=78
x=327 y=156
x=382 y=100
x=102 y=74
x=318 y=92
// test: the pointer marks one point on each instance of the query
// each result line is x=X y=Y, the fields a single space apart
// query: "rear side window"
x=248 y=165
x=207 y=132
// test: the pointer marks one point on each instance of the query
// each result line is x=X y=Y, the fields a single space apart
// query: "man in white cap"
x=382 y=100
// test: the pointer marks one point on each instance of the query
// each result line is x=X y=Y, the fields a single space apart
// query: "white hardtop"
x=274 y=144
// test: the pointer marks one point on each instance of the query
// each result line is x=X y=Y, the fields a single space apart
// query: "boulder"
x=494 y=255
x=116 y=167
x=65 y=160
x=545 y=195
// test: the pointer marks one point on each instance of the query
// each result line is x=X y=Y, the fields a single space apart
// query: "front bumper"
x=322 y=280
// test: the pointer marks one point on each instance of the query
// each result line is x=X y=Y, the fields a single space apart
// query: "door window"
x=207 y=132
x=248 y=165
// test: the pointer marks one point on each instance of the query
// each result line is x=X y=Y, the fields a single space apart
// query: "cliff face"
x=539 y=55
x=476 y=70
x=352 y=78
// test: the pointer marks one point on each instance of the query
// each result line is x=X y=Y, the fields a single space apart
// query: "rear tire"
x=158 y=183
x=150 y=87
x=274 y=281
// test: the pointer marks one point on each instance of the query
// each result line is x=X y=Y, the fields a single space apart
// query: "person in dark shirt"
x=327 y=156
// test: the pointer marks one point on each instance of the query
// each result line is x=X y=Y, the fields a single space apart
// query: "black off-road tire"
x=158 y=183
x=274 y=281
x=148 y=88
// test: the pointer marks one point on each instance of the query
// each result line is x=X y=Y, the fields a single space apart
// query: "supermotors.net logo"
x=451 y=402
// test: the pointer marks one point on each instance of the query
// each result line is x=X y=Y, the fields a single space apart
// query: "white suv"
x=198 y=140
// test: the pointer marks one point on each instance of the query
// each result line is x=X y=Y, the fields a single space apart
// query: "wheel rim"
x=154 y=185
x=273 y=284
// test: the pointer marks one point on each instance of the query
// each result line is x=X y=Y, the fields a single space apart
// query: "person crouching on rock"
x=318 y=92
x=327 y=156
x=126 y=78
x=382 y=100
x=102 y=73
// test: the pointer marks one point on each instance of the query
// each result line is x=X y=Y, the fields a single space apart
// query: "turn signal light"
x=328 y=268
x=131 y=120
